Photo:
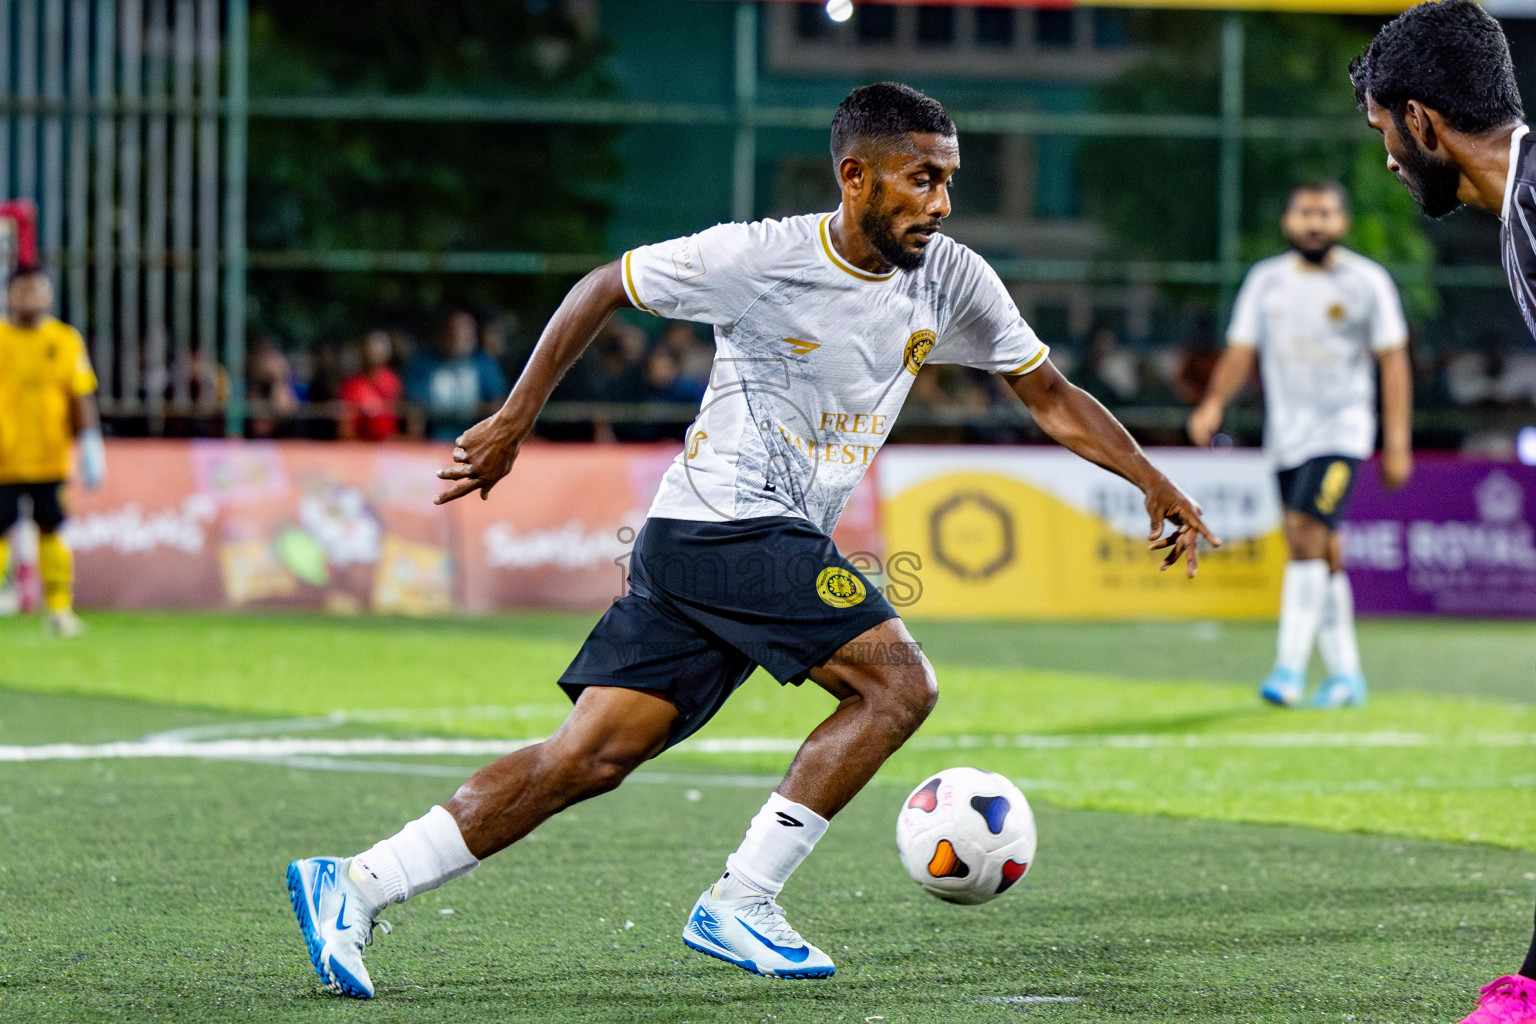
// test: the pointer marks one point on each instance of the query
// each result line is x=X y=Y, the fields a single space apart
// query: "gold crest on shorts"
x=838 y=587
x=918 y=347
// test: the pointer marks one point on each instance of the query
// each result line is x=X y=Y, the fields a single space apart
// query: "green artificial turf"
x=1412 y=762
x=153 y=891
x=138 y=889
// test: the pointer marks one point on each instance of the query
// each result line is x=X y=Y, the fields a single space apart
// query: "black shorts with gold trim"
x=709 y=602
x=1320 y=487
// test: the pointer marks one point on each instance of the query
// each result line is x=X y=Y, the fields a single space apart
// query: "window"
x=875 y=23
x=1055 y=28
x=1109 y=29
x=994 y=26
x=811 y=22
x=935 y=26
x=979 y=183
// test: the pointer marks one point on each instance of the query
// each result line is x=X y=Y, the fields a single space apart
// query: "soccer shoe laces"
x=768 y=918
x=1510 y=989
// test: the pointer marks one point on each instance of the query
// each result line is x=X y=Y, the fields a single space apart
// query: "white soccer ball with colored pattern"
x=966 y=835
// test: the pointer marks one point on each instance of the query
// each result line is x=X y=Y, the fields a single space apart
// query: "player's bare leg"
x=608 y=733
x=885 y=689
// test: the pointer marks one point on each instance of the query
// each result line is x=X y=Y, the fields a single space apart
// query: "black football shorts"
x=1320 y=487
x=47 y=504
x=709 y=602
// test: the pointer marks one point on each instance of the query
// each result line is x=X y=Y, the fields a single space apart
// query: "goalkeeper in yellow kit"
x=46 y=388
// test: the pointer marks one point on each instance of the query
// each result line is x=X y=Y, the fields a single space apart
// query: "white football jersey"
x=1318 y=331
x=813 y=358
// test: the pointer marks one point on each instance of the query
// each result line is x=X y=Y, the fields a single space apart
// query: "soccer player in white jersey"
x=1438 y=83
x=821 y=323
x=1318 y=317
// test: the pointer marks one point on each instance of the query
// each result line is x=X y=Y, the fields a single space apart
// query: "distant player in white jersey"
x=821 y=324
x=1320 y=319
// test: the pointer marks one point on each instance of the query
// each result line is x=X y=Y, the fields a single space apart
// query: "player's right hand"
x=482 y=455
x=1204 y=422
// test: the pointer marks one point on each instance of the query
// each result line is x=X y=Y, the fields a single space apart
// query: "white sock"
x=1336 y=635
x=1301 y=609
x=420 y=857
x=779 y=838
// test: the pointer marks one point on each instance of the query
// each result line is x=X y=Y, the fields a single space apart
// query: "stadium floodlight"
x=839 y=10
x=1525 y=445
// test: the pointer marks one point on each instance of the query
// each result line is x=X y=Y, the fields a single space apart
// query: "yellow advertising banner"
x=1039 y=533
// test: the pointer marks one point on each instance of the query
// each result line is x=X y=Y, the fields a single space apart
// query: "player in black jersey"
x=1438 y=84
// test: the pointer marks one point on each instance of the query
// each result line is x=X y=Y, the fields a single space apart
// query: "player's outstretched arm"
x=1075 y=419
x=1232 y=371
x=484 y=453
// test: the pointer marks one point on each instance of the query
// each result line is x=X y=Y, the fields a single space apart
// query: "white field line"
x=448 y=771
x=1030 y=1000
x=256 y=748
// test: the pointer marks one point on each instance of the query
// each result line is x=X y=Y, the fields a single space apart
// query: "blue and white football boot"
x=1284 y=686
x=1340 y=692
x=337 y=922
x=752 y=934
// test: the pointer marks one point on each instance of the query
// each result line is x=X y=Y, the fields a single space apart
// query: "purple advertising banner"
x=1459 y=539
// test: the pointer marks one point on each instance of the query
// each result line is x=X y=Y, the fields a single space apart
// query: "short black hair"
x=25 y=270
x=886 y=111
x=1451 y=56
x=1315 y=185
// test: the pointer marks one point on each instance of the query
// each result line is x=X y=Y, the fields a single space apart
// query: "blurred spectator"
x=694 y=357
x=453 y=386
x=617 y=369
x=1468 y=377
x=1516 y=384
x=371 y=397
x=1110 y=372
x=495 y=331
x=269 y=387
x=325 y=378
x=1196 y=363
x=664 y=380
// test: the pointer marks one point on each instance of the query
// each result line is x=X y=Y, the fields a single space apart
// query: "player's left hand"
x=1396 y=467
x=93 y=459
x=1166 y=503
x=482 y=455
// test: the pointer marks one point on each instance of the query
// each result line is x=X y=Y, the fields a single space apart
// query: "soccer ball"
x=966 y=835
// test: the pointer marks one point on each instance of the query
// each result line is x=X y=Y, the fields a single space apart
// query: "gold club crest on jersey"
x=838 y=587
x=918 y=347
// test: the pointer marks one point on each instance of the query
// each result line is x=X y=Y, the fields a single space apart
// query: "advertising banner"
x=1039 y=533
x=352 y=528
x=1457 y=540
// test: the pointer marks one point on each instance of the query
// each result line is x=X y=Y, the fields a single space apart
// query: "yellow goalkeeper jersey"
x=41 y=371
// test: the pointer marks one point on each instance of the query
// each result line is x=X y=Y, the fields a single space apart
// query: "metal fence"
x=126 y=120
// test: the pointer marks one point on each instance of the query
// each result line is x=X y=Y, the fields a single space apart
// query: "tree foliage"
x=433 y=186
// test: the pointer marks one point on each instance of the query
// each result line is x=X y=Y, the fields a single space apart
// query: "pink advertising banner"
x=352 y=527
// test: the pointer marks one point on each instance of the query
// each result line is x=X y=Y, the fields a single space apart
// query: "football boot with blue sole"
x=1340 y=692
x=753 y=934
x=1283 y=686
x=337 y=922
